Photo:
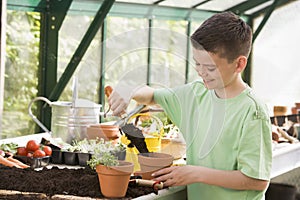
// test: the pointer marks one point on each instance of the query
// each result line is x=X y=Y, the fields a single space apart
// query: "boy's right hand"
x=117 y=102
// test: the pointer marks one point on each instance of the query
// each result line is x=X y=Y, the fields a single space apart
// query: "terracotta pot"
x=105 y=131
x=294 y=110
x=280 y=110
x=153 y=161
x=114 y=180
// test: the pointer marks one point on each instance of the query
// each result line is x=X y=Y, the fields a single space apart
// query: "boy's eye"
x=211 y=69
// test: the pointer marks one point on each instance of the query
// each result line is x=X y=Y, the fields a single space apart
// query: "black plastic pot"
x=121 y=155
x=83 y=158
x=57 y=157
x=279 y=191
x=70 y=158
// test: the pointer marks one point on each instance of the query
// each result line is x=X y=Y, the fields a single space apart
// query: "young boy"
x=226 y=128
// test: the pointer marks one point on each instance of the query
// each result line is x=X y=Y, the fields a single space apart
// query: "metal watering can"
x=69 y=119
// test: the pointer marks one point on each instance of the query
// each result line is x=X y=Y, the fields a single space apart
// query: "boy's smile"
x=217 y=73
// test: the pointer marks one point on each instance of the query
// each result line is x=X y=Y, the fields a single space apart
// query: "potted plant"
x=113 y=174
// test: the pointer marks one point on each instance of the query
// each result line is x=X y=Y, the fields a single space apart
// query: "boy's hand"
x=175 y=175
x=118 y=103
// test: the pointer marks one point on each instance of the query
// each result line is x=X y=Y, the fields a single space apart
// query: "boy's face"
x=215 y=71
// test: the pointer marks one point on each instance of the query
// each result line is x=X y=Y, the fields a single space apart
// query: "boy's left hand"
x=176 y=175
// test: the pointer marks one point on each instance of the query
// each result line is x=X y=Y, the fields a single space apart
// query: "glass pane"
x=138 y=1
x=21 y=68
x=126 y=52
x=88 y=70
x=192 y=75
x=220 y=5
x=185 y=4
x=275 y=71
x=169 y=53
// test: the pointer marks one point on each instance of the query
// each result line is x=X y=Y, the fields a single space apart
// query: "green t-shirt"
x=225 y=134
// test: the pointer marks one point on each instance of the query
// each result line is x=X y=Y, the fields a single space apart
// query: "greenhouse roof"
x=242 y=7
x=162 y=8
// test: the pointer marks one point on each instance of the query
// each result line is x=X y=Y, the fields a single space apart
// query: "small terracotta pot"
x=114 y=179
x=105 y=131
x=280 y=110
x=153 y=161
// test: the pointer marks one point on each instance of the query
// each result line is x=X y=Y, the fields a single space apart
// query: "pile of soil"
x=78 y=182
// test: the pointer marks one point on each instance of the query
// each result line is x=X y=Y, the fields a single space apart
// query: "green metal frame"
x=102 y=65
x=149 y=53
x=51 y=21
x=188 y=43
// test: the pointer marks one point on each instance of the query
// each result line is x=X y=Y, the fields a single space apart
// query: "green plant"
x=85 y=145
x=105 y=158
x=105 y=153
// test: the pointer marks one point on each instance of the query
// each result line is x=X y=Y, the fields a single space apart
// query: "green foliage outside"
x=21 y=68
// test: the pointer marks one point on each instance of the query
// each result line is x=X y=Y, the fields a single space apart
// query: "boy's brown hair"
x=224 y=34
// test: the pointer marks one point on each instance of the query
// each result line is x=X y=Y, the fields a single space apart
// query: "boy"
x=226 y=128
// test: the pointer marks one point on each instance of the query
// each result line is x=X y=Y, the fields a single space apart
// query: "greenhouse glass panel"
x=21 y=69
x=220 y=5
x=185 y=4
x=126 y=52
x=88 y=70
x=169 y=45
x=193 y=75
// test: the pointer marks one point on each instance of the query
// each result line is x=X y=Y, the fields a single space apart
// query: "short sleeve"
x=255 y=149
x=168 y=100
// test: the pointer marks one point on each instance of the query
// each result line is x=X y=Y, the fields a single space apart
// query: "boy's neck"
x=232 y=90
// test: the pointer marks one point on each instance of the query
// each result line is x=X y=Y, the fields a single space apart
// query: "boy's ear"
x=241 y=63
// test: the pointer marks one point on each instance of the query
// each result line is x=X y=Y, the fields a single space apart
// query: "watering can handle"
x=34 y=117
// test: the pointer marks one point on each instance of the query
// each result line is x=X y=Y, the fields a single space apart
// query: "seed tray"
x=34 y=162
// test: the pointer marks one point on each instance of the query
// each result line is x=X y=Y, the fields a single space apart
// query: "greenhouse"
x=74 y=71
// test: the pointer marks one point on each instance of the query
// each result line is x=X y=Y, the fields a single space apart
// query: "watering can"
x=69 y=119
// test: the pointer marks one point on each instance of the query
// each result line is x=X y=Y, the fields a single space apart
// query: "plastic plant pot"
x=70 y=158
x=57 y=157
x=83 y=158
x=121 y=155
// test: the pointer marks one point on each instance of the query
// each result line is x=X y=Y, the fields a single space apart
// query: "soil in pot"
x=79 y=182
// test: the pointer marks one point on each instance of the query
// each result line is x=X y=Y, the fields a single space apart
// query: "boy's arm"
x=144 y=95
x=184 y=175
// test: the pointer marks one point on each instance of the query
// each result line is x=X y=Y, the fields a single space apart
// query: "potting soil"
x=79 y=182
